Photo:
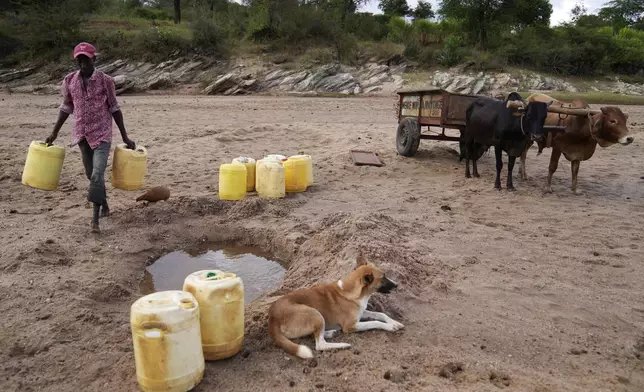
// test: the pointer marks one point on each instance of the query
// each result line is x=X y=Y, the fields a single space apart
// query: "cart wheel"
x=408 y=137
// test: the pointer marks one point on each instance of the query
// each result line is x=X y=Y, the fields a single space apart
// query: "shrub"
x=381 y=50
x=453 y=52
x=9 y=45
x=399 y=30
x=48 y=31
x=207 y=37
x=628 y=56
x=485 y=61
x=152 y=13
x=368 y=27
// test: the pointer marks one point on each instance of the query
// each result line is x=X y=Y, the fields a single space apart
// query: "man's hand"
x=130 y=143
x=50 y=139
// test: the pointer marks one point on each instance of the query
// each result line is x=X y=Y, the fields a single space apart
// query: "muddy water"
x=256 y=269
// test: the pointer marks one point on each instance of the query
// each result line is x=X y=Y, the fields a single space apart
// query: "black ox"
x=489 y=122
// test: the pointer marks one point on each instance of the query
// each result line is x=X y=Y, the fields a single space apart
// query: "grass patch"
x=595 y=97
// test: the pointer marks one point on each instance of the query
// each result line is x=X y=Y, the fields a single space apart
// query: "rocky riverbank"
x=204 y=76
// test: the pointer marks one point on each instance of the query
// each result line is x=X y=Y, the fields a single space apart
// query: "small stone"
x=446 y=208
x=313 y=363
x=319 y=385
x=395 y=376
x=306 y=370
x=291 y=383
x=623 y=380
x=500 y=379
x=449 y=370
x=356 y=352
x=578 y=351
x=246 y=353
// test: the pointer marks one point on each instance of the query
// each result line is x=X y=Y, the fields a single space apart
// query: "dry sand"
x=515 y=291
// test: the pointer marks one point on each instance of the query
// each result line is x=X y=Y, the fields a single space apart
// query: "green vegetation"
x=488 y=34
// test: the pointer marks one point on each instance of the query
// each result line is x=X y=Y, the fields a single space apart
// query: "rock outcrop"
x=382 y=78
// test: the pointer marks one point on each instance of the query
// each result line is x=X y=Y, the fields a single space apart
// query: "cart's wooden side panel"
x=410 y=105
x=454 y=111
x=431 y=108
x=434 y=107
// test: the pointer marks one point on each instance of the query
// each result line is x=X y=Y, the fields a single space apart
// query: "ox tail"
x=282 y=341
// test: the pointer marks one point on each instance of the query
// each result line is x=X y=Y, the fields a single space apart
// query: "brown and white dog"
x=336 y=305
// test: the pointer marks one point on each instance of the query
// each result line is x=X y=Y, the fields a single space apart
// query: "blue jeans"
x=95 y=162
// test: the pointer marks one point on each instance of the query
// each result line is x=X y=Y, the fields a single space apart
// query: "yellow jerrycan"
x=309 y=167
x=250 y=171
x=167 y=341
x=295 y=173
x=221 y=306
x=232 y=181
x=129 y=167
x=43 y=166
x=271 y=179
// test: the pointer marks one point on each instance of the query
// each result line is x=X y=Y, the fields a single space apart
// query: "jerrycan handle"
x=185 y=303
x=154 y=329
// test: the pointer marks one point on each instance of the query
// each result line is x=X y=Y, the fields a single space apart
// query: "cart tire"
x=408 y=137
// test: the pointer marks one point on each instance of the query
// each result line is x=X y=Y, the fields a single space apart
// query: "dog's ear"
x=367 y=279
x=360 y=260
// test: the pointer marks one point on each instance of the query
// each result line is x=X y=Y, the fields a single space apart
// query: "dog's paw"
x=395 y=325
x=330 y=333
x=304 y=352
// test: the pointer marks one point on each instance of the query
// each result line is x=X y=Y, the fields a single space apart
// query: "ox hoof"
x=467 y=175
x=477 y=175
x=512 y=189
x=577 y=193
x=547 y=191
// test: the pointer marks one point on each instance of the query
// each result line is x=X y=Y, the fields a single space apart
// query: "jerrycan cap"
x=244 y=160
x=214 y=275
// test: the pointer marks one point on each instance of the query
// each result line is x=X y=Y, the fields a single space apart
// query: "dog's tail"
x=284 y=342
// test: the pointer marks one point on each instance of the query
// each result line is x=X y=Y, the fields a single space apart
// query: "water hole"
x=257 y=269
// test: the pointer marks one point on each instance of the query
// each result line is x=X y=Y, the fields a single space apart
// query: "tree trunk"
x=177 y=11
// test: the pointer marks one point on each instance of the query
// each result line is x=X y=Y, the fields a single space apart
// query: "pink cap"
x=85 y=48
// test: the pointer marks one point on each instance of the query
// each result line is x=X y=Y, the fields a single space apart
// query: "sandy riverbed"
x=517 y=291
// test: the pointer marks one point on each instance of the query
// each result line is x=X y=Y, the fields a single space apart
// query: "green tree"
x=177 y=11
x=423 y=10
x=395 y=7
x=624 y=13
x=520 y=14
x=578 y=11
x=477 y=16
x=480 y=18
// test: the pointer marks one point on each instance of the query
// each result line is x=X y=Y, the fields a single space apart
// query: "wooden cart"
x=437 y=108
x=431 y=108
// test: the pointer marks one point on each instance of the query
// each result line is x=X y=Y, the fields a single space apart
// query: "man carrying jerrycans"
x=91 y=96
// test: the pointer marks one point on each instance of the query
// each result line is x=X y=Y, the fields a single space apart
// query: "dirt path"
x=516 y=291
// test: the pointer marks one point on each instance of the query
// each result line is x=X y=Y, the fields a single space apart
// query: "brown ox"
x=581 y=136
